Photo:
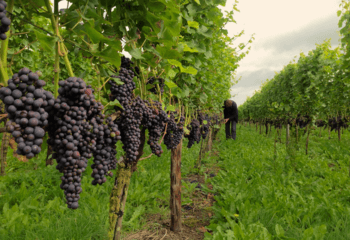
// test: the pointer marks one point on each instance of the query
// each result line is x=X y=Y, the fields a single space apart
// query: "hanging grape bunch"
x=154 y=119
x=123 y=93
x=205 y=125
x=174 y=132
x=195 y=133
x=76 y=132
x=27 y=106
x=5 y=21
x=136 y=113
x=106 y=134
x=127 y=63
x=160 y=81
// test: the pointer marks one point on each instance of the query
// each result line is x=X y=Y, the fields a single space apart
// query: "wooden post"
x=307 y=138
x=49 y=160
x=267 y=128
x=199 y=161
x=210 y=140
x=296 y=132
x=260 y=128
x=119 y=192
x=175 y=189
x=3 y=152
x=287 y=135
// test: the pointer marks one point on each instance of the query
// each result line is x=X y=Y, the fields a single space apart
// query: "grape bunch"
x=129 y=124
x=303 y=121
x=160 y=81
x=195 y=133
x=77 y=132
x=154 y=120
x=27 y=105
x=136 y=113
x=205 y=127
x=106 y=134
x=174 y=132
x=123 y=93
x=5 y=21
x=127 y=64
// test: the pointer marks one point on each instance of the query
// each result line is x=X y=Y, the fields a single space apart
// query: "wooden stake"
x=119 y=193
x=307 y=138
x=3 y=152
x=287 y=135
x=260 y=128
x=175 y=189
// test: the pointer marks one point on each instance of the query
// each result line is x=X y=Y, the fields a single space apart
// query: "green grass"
x=290 y=196
x=32 y=205
x=259 y=195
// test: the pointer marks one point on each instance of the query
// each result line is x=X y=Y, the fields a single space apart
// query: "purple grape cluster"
x=77 y=132
x=174 y=132
x=5 y=21
x=27 y=105
x=205 y=127
x=195 y=133
x=159 y=81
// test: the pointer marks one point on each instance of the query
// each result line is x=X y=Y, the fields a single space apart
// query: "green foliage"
x=316 y=85
x=300 y=197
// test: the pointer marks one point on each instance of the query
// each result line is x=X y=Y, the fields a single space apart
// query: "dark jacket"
x=231 y=112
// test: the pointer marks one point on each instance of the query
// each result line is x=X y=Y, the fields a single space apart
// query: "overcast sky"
x=283 y=28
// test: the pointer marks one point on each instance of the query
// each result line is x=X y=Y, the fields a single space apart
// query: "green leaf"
x=135 y=52
x=111 y=55
x=93 y=34
x=189 y=70
x=116 y=103
x=175 y=62
x=46 y=42
x=279 y=230
x=117 y=81
x=193 y=24
x=170 y=84
x=170 y=108
x=171 y=73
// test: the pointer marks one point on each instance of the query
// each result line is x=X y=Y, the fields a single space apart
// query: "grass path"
x=287 y=196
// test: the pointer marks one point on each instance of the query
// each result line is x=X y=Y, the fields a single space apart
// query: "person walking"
x=231 y=118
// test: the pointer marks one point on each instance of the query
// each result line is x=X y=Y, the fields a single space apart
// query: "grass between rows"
x=259 y=195
x=32 y=205
x=289 y=195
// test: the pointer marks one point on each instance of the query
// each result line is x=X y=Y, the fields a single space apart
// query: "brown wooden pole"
x=287 y=134
x=49 y=160
x=119 y=192
x=260 y=128
x=175 y=189
x=307 y=138
x=3 y=152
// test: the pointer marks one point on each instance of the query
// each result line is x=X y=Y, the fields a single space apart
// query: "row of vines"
x=312 y=91
x=67 y=87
